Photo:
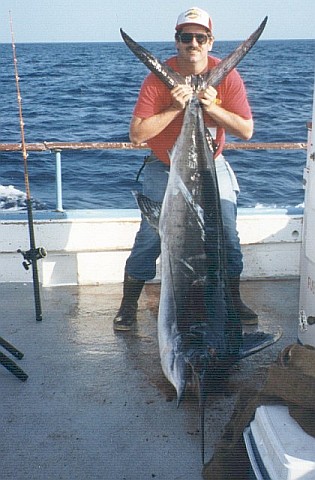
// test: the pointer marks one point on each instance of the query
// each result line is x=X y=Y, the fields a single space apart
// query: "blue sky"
x=145 y=20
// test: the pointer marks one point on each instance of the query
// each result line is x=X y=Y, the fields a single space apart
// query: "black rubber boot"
x=127 y=313
x=247 y=316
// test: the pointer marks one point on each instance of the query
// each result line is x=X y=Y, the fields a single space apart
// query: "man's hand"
x=181 y=94
x=208 y=98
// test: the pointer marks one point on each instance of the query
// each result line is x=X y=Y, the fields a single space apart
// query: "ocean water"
x=87 y=91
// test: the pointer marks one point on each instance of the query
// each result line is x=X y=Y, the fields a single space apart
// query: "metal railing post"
x=59 y=207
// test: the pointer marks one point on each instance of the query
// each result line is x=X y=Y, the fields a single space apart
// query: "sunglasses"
x=201 y=38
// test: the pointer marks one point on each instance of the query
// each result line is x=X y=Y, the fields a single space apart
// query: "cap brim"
x=179 y=27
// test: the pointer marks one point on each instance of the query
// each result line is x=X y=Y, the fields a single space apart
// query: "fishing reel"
x=32 y=255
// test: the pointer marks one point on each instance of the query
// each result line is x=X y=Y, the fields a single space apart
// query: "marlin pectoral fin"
x=217 y=74
x=150 y=209
x=165 y=73
x=255 y=342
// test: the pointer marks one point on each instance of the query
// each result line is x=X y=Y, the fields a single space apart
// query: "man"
x=157 y=120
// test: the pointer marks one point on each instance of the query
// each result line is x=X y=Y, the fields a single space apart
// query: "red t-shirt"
x=155 y=97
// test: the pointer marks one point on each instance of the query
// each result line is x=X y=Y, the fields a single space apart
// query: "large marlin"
x=199 y=331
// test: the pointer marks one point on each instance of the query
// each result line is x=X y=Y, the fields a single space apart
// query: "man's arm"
x=142 y=129
x=234 y=124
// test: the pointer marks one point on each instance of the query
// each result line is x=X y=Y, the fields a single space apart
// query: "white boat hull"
x=306 y=332
x=91 y=247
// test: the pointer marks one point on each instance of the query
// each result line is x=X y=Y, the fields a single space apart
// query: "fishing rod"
x=10 y=364
x=34 y=254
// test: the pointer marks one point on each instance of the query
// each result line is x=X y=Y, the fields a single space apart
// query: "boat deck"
x=96 y=404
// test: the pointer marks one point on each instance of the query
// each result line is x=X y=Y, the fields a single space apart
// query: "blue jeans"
x=141 y=263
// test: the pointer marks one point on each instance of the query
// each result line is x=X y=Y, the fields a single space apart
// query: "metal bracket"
x=302 y=321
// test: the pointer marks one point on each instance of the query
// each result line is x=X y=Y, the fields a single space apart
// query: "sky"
x=145 y=20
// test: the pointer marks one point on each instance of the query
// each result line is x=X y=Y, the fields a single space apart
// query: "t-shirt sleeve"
x=234 y=96
x=154 y=97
